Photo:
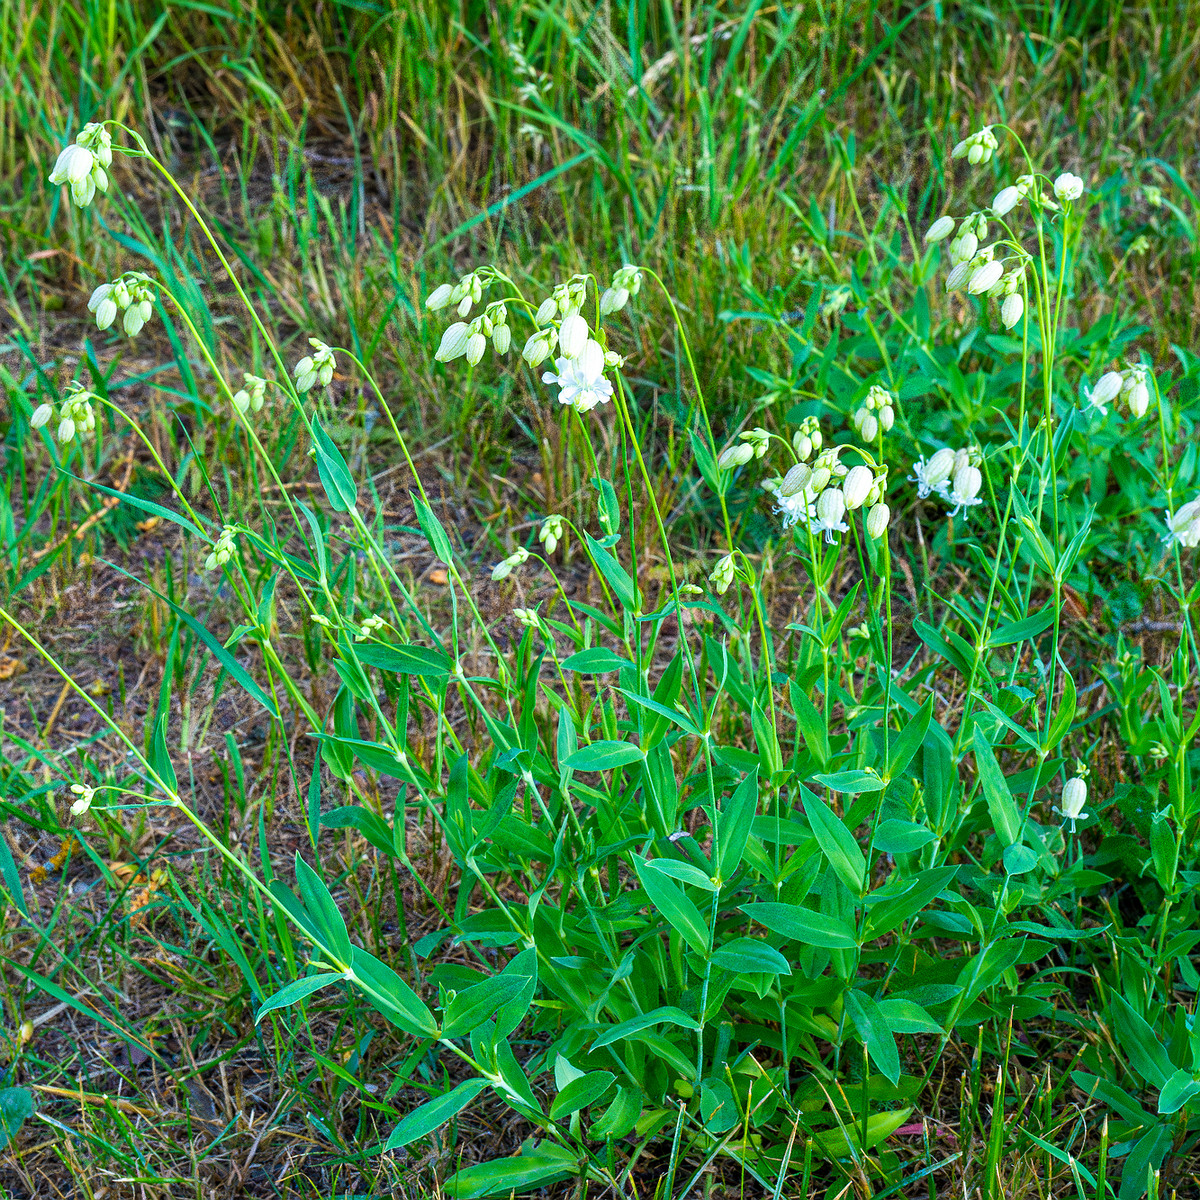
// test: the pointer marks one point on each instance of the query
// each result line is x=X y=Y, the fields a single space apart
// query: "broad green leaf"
x=16 y=1105
x=620 y=1116
x=538 y=1167
x=875 y=1032
x=404 y=660
x=811 y=723
x=433 y=530
x=390 y=995
x=604 y=756
x=1177 y=1091
x=903 y=745
x=1144 y=1049
x=672 y=714
x=581 y=1092
x=598 y=660
x=616 y=575
x=336 y=479
x=906 y=1016
x=838 y=845
x=149 y=506
x=297 y=990
x=1027 y=627
x=372 y=826
x=1019 y=859
x=672 y=903
x=801 y=924
x=685 y=872
x=322 y=911
x=902 y=837
x=733 y=825
x=434 y=1113
x=847 y=1139
x=851 y=781
x=667 y=1015
x=1061 y=724
x=749 y=955
x=1006 y=818
x=891 y=913
x=469 y=1009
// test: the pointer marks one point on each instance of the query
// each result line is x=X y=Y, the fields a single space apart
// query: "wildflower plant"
x=697 y=850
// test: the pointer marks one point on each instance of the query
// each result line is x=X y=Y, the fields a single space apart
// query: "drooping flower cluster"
x=76 y=416
x=722 y=574
x=1183 y=526
x=877 y=412
x=83 y=166
x=552 y=532
x=84 y=799
x=223 y=550
x=977 y=148
x=314 y=368
x=976 y=267
x=371 y=627
x=1132 y=384
x=952 y=475
x=132 y=294
x=753 y=443
x=504 y=568
x=252 y=396
x=820 y=495
x=469 y=339
x=625 y=283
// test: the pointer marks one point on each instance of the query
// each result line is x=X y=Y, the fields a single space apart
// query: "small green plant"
x=736 y=881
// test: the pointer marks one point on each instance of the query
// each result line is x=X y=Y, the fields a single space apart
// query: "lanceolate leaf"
x=434 y=1113
x=336 y=479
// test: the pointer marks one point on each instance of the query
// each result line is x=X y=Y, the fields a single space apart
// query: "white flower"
x=1006 y=200
x=506 y=567
x=371 y=627
x=798 y=506
x=84 y=802
x=439 y=297
x=796 y=480
x=963 y=247
x=958 y=276
x=1074 y=797
x=581 y=380
x=572 y=336
x=931 y=476
x=984 y=277
x=73 y=165
x=964 y=488
x=547 y=311
x=528 y=617
x=857 y=485
x=943 y=227
x=736 y=455
x=831 y=507
x=1136 y=389
x=41 y=415
x=316 y=367
x=1183 y=528
x=1068 y=187
x=552 y=532
x=978 y=147
x=539 y=346
x=722 y=575
x=877 y=520
x=869 y=427
x=1106 y=390
x=1012 y=310
x=453 y=345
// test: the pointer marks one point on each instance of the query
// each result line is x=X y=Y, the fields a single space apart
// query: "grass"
x=353 y=157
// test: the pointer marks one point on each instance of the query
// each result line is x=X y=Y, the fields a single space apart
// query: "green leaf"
x=620 y=1116
x=1061 y=724
x=811 y=723
x=906 y=1016
x=1177 y=1091
x=434 y=1113
x=323 y=912
x=372 y=826
x=749 y=955
x=214 y=647
x=670 y=901
x=1027 y=627
x=685 y=872
x=805 y=925
x=16 y=1105
x=581 y=1092
x=667 y=1015
x=1145 y=1050
x=11 y=876
x=902 y=837
x=902 y=749
x=404 y=660
x=538 y=1167
x=297 y=990
x=598 y=660
x=604 y=756
x=837 y=843
x=873 y=1028
x=336 y=479
x=734 y=822
x=149 y=506
x=390 y=995
x=433 y=530
x=1019 y=859
x=471 y=1008
x=851 y=781
x=616 y=575
x=1006 y=818
x=887 y=915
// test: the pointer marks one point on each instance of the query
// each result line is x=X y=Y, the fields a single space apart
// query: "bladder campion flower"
x=1068 y=187
x=552 y=532
x=1074 y=797
x=857 y=486
x=978 y=148
x=83 y=165
x=877 y=520
x=722 y=575
x=831 y=507
x=371 y=627
x=1107 y=389
x=943 y=227
x=314 y=368
x=1183 y=527
x=964 y=488
x=222 y=552
x=932 y=476
x=252 y=395
x=1135 y=389
x=581 y=381
x=85 y=794
x=504 y=568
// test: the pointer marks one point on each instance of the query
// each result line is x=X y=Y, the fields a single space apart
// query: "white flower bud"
x=1068 y=187
x=877 y=520
x=940 y=466
x=476 y=345
x=943 y=227
x=133 y=320
x=547 y=311
x=736 y=455
x=464 y=305
x=1012 y=310
x=66 y=430
x=857 y=484
x=84 y=802
x=241 y=401
x=505 y=568
x=453 y=344
x=41 y=415
x=983 y=278
x=966 y=482
x=613 y=300
x=572 y=336
x=73 y=165
x=502 y=338
x=539 y=346
x=1006 y=200
x=958 y=276
x=1106 y=390
x=552 y=532
x=1139 y=400
x=963 y=248
x=722 y=575
x=83 y=191
x=439 y=297
x=820 y=477
x=803 y=446
x=887 y=418
x=613 y=360
x=796 y=480
x=869 y=427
